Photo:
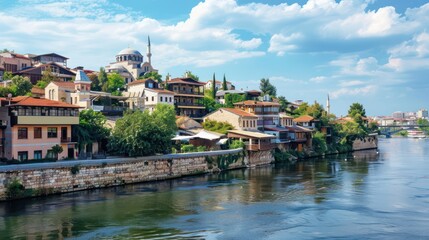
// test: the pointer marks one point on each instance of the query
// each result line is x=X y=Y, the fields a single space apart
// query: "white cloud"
x=318 y=79
x=354 y=91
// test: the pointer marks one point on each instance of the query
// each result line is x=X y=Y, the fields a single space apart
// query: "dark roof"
x=50 y=54
x=256 y=103
x=140 y=81
x=190 y=81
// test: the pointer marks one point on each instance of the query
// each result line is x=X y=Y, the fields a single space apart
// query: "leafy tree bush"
x=319 y=143
x=267 y=88
x=215 y=126
x=236 y=144
x=57 y=149
x=144 y=133
x=230 y=99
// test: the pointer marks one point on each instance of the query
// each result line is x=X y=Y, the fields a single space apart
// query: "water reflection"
x=345 y=192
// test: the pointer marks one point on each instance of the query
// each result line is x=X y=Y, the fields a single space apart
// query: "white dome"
x=129 y=51
x=116 y=66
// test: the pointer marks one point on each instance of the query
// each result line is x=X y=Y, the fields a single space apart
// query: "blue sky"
x=375 y=52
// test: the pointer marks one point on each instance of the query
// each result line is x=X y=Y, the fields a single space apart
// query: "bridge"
x=389 y=130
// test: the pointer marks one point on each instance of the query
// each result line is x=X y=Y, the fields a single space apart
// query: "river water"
x=364 y=195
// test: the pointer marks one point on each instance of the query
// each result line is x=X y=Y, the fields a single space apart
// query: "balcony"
x=179 y=104
x=66 y=140
x=3 y=124
x=189 y=92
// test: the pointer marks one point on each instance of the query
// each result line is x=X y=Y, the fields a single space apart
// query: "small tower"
x=82 y=82
x=149 y=54
x=328 y=106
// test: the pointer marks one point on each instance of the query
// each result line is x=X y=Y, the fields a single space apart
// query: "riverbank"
x=39 y=179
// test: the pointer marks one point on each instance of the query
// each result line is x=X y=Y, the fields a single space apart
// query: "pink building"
x=30 y=127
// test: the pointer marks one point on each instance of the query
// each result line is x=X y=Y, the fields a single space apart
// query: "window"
x=37 y=111
x=23 y=156
x=21 y=111
x=37 y=132
x=53 y=112
x=160 y=99
x=22 y=133
x=150 y=85
x=170 y=99
x=50 y=154
x=61 y=112
x=153 y=99
x=147 y=99
x=38 y=154
x=52 y=132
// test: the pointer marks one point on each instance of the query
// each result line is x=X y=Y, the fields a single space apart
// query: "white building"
x=130 y=64
x=145 y=94
x=219 y=85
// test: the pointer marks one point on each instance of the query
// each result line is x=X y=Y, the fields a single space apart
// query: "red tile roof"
x=190 y=81
x=39 y=102
x=69 y=85
x=36 y=90
x=19 y=56
x=159 y=90
x=257 y=103
x=239 y=112
x=304 y=118
x=140 y=81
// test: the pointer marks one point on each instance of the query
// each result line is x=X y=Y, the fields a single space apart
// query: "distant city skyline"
x=375 y=52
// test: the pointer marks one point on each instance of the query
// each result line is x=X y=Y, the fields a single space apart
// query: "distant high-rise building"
x=328 y=106
x=398 y=114
x=422 y=113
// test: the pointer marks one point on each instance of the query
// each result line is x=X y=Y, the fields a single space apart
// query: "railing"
x=190 y=104
x=189 y=92
x=66 y=140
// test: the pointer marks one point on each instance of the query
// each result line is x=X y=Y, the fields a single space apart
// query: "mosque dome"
x=129 y=51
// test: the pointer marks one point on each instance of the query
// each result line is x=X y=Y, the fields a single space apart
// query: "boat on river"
x=416 y=134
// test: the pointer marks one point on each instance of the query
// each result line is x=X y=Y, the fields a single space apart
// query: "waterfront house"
x=239 y=119
x=146 y=94
x=267 y=112
x=30 y=127
x=306 y=121
x=188 y=97
x=254 y=141
x=285 y=120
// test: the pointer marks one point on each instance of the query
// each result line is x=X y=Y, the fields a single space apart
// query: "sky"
x=375 y=52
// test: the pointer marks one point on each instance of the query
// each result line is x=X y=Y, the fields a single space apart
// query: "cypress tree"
x=224 y=86
x=214 y=87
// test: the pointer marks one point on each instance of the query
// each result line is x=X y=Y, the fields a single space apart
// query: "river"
x=364 y=195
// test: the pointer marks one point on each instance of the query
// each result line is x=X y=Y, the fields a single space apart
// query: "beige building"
x=285 y=120
x=130 y=65
x=77 y=92
x=13 y=62
x=219 y=85
x=240 y=119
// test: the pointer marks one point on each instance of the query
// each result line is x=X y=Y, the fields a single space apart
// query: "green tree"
x=102 y=78
x=7 y=75
x=224 y=85
x=319 y=143
x=210 y=104
x=95 y=82
x=56 y=149
x=143 y=133
x=215 y=126
x=315 y=110
x=423 y=125
x=356 y=108
x=189 y=74
x=232 y=98
x=20 y=86
x=214 y=87
x=4 y=91
x=5 y=50
x=47 y=77
x=267 y=88
x=301 y=110
x=115 y=84
x=154 y=75
x=91 y=128
x=284 y=105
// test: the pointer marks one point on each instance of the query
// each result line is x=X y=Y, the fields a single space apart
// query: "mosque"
x=130 y=64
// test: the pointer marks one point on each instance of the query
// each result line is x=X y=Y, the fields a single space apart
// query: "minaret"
x=328 y=106
x=149 y=54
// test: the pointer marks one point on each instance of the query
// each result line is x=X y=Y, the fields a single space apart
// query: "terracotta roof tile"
x=159 y=90
x=30 y=101
x=69 y=85
x=37 y=90
x=239 y=112
x=304 y=118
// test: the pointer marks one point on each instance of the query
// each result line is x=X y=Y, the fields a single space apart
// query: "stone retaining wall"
x=370 y=142
x=60 y=177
